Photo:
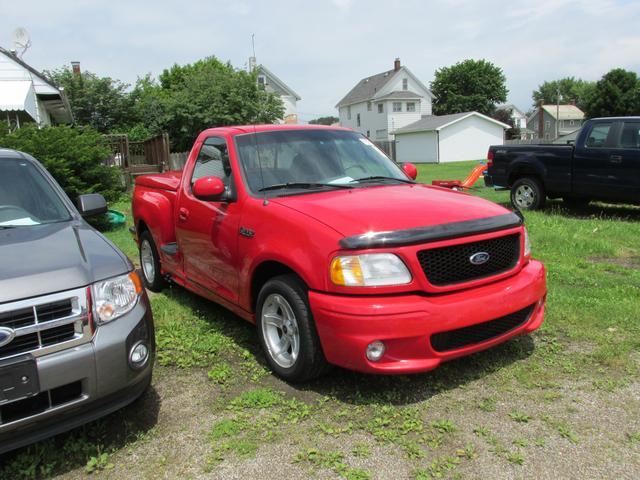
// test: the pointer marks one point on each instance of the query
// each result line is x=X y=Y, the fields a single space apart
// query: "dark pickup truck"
x=604 y=164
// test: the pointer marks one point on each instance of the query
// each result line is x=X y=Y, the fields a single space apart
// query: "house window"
x=397 y=106
x=368 y=106
x=405 y=84
x=547 y=124
x=368 y=133
x=381 y=133
x=411 y=106
x=571 y=123
x=349 y=112
x=381 y=108
x=262 y=80
x=358 y=119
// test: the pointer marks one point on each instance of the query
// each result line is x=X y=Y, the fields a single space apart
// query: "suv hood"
x=50 y=258
x=389 y=207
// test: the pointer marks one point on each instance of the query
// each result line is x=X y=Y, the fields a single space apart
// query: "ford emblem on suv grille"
x=479 y=258
x=6 y=335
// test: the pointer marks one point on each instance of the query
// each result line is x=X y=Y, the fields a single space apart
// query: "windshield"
x=303 y=159
x=26 y=197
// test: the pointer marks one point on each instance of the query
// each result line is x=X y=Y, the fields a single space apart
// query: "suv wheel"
x=287 y=331
x=527 y=193
x=150 y=263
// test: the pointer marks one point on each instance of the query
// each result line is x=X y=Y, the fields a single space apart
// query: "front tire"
x=287 y=331
x=150 y=263
x=527 y=193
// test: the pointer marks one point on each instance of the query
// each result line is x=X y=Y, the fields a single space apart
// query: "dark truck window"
x=598 y=135
x=630 y=137
x=213 y=160
x=27 y=197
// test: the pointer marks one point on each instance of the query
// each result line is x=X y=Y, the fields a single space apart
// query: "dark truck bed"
x=603 y=165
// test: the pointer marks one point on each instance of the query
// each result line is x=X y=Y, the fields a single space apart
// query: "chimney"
x=396 y=65
x=540 y=119
x=75 y=66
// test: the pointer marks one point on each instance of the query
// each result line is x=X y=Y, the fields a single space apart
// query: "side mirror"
x=92 y=204
x=411 y=170
x=208 y=188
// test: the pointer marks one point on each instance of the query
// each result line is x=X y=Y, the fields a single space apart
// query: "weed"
x=444 y=426
x=98 y=463
x=220 y=373
x=258 y=398
x=361 y=450
x=487 y=404
x=515 y=458
x=519 y=417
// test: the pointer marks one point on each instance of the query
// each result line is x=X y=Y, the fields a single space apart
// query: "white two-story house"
x=273 y=84
x=382 y=103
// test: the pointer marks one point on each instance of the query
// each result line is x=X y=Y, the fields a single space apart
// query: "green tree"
x=470 y=85
x=329 y=120
x=100 y=102
x=572 y=89
x=73 y=155
x=616 y=94
x=209 y=93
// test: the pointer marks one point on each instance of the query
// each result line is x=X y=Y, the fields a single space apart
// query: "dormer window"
x=405 y=84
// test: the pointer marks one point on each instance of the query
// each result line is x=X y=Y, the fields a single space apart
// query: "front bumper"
x=95 y=377
x=405 y=323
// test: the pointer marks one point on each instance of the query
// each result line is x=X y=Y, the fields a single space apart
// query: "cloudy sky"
x=321 y=48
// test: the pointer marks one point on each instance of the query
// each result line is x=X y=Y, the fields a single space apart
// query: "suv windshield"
x=311 y=159
x=26 y=197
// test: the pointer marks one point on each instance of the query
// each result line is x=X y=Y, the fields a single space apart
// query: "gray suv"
x=76 y=330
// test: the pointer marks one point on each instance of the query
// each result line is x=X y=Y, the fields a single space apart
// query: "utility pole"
x=558 y=112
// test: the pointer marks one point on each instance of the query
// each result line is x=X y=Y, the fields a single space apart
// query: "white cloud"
x=322 y=49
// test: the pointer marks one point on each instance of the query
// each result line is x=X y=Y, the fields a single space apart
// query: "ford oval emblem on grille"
x=479 y=258
x=6 y=335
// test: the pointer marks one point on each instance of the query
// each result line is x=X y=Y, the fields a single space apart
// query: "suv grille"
x=480 y=332
x=450 y=265
x=42 y=324
x=41 y=402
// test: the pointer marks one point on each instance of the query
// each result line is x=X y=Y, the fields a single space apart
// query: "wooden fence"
x=388 y=147
x=147 y=156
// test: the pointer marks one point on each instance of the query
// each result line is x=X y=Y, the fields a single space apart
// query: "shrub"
x=73 y=156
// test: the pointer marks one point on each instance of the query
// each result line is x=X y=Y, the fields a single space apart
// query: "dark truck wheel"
x=150 y=263
x=287 y=331
x=527 y=193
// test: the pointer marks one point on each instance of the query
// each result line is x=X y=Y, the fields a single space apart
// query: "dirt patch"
x=632 y=262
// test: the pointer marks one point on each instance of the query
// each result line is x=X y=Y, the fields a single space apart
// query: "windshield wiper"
x=4 y=227
x=303 y=185
x=380 y=177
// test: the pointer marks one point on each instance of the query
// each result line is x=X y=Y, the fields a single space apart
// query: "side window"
x=598 y=135
x=630 y=137
x=213 y=160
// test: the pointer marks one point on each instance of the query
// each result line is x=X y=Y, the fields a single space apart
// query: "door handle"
x=615 y=159
x=183 y=214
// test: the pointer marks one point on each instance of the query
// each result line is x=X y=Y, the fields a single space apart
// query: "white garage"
x=448 y=138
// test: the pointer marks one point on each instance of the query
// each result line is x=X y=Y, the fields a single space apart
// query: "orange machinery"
x=462 y=184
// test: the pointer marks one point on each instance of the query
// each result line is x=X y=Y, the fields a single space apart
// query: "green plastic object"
x=116 y=218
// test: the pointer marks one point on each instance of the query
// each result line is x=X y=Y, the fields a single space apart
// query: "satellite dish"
x=21 y=41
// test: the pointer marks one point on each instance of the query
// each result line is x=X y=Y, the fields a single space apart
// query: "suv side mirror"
x=411 y=170
x=91 y=204
x=208 y=188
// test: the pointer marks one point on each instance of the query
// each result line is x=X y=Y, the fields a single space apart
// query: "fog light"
x=375 y=350
x=139 y=355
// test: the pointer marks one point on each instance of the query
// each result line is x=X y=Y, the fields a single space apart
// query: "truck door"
x=595 y=173
x=625 y=159
x=207 y=231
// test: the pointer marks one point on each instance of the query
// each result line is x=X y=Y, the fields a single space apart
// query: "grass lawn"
x=561 y=403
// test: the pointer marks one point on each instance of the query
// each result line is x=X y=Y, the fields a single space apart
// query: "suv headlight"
x=116 y=296
x=527 y=244
x=368 y=270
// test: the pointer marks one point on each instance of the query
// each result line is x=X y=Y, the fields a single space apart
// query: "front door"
x=595 y=175
x=207 y=231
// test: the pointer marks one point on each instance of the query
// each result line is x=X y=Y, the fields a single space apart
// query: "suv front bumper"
x=83 y=383
x=406 y=323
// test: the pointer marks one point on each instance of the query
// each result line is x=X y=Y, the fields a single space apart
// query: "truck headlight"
x=116 y=296
x=527 y=244
x=368 y=270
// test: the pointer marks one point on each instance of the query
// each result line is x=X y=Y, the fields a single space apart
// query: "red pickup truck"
x=335 y=252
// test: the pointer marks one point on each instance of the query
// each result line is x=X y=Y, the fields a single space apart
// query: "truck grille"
x=480 y=332
x=450 y=265
x=46 y=324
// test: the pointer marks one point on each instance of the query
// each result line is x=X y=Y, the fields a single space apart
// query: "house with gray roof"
x=552 y=121
x=273 y=84
x=448 y=138
x=382 y=103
